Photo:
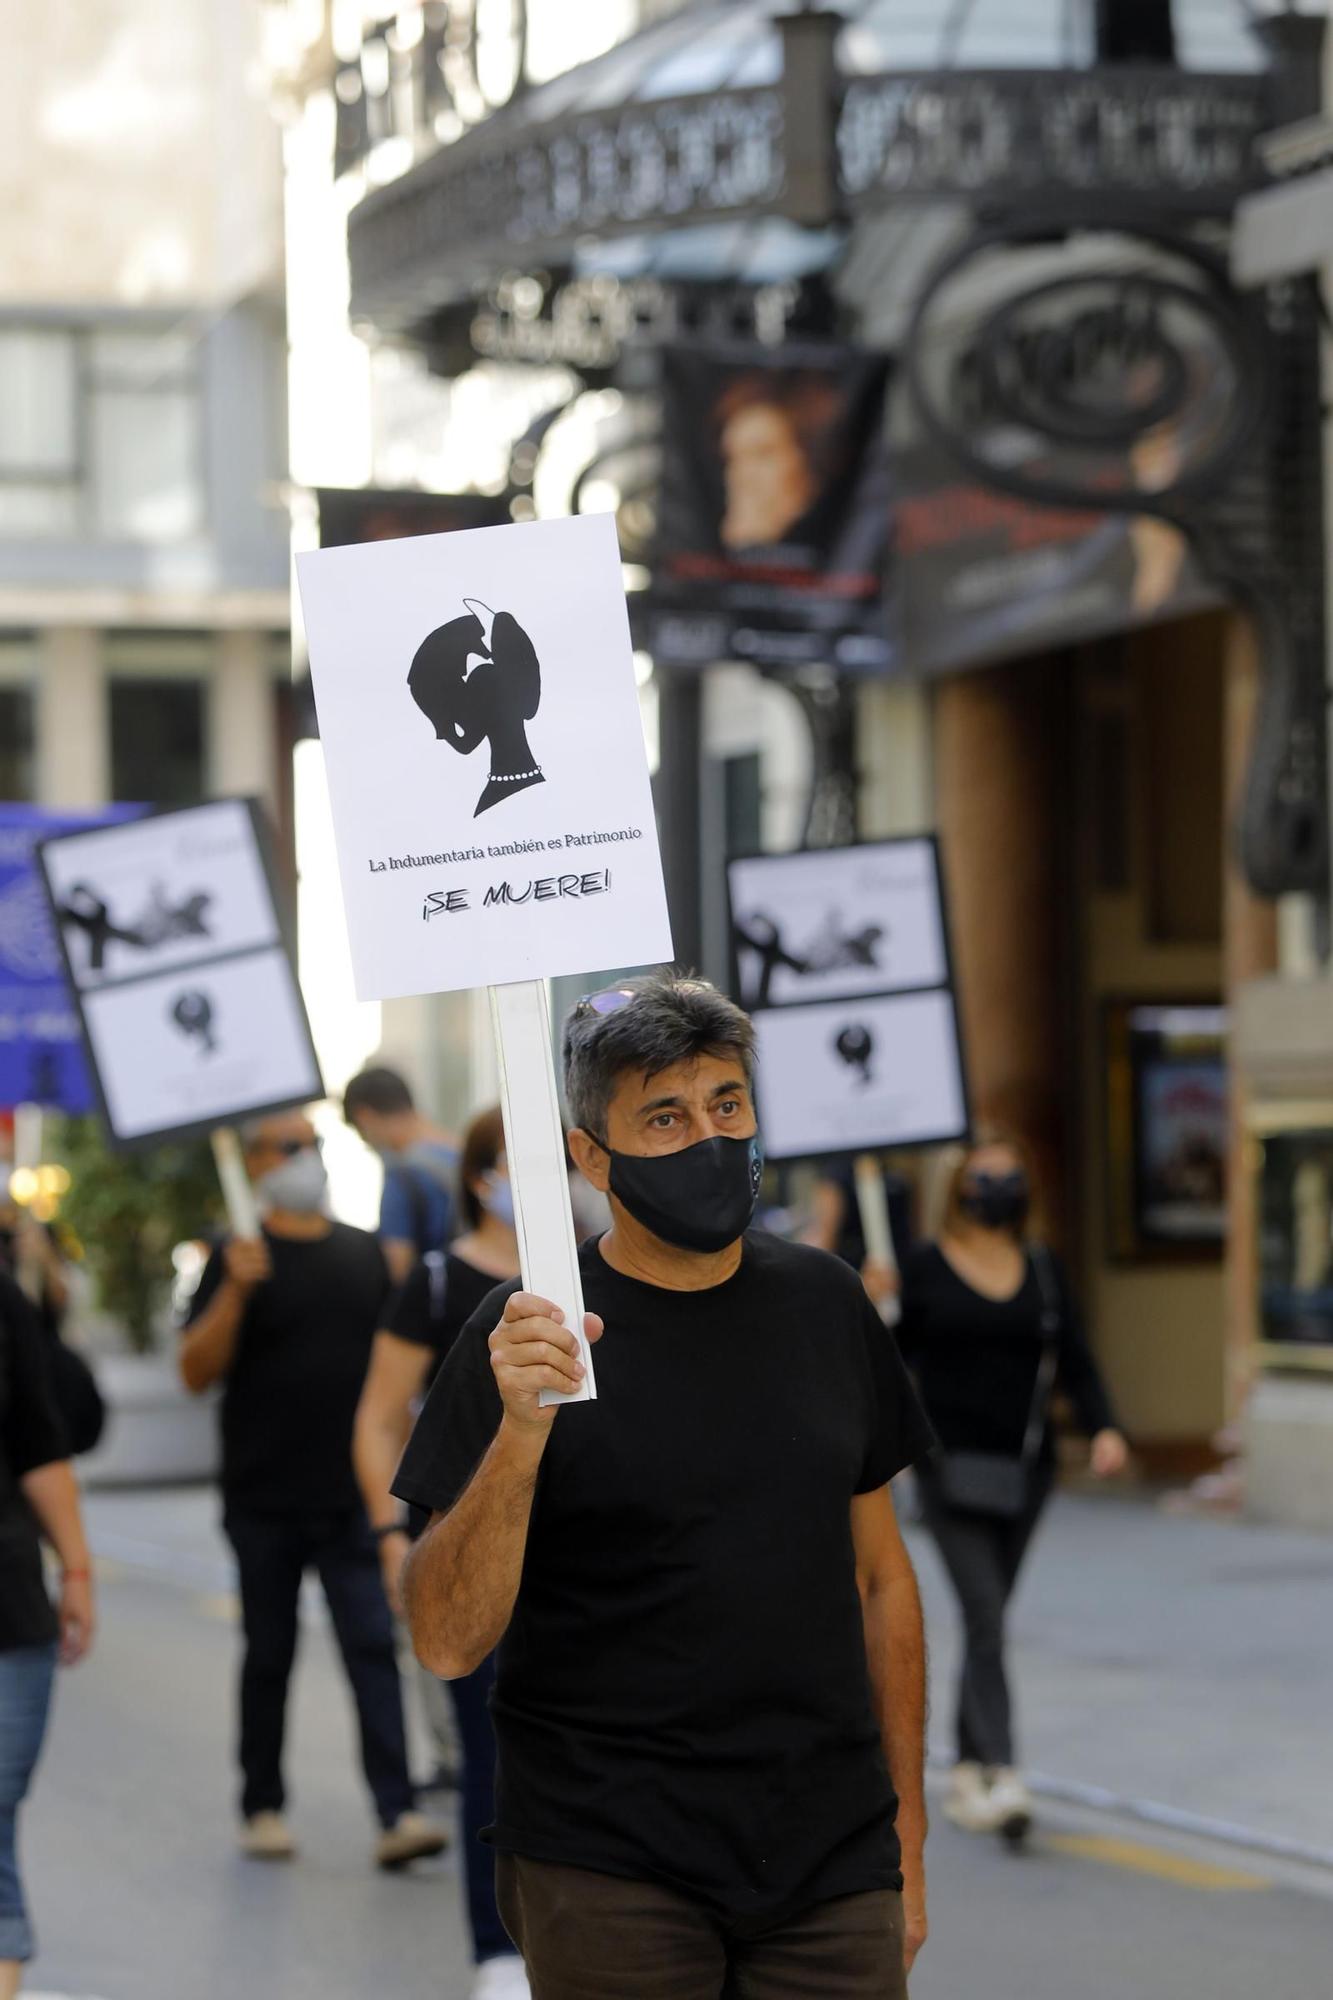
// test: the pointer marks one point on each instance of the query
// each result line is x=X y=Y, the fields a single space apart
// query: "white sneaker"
x=501 y=1979
x=969 y=1800
x=412 y=1837
x=266 y=1836
x=1012 y=1804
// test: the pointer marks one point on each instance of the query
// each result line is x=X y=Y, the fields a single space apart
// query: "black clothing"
x=272 y=1555
x=975 y=1359
x=289 y=1400
x=983 y=1555
x=435 y=1303
x=851 y=1244
x=595 y=1937
x=682 y=1693
x=31 y=1435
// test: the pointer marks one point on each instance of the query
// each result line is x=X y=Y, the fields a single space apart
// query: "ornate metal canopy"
x=730 y=111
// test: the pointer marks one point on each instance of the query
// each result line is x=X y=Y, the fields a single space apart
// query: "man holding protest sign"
x=711 y=1672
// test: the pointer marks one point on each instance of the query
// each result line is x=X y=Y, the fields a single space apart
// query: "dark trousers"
x=273 y=1552
x=585 y=1936
x=983 y=1555
x=471 y=1698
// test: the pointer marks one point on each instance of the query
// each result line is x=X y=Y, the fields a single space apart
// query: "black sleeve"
x=899 y=1431
x=459 y=1418
x=210 y=1278
x=911 y=1298
x=409 y=1314
x=1077 y=1372
x=31 y=1432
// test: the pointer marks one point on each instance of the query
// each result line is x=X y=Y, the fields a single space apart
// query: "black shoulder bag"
x=993 y=1482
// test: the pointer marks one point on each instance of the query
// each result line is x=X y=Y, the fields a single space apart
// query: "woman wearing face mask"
x=425 y=1319
x=991 y=1332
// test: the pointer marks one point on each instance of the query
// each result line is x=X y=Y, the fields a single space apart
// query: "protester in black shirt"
x=710 y=1672
x=990 y=1329
x=37 y=1496
x=421 y=1327
x=286 y=1325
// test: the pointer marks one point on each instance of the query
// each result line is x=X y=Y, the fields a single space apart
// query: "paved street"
x=1154 y=1652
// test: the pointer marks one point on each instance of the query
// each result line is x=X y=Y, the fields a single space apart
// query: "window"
x=39 y=460
x=158 y=685
x=143 y=447
x=16 y=744
x=99 y=432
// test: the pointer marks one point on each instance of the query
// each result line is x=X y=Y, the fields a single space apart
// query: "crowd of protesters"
x=682 y=1651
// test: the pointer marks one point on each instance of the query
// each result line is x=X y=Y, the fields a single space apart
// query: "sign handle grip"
x=535 y=1153
x=28 y=1158
x=242 y=1208
x=872 y=1202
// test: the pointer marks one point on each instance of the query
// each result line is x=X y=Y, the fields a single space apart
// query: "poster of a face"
x=853 y=1076
x=168 y=891
x=175 y=1053
x=479 y=714
x=775 y=503
x=837 y=921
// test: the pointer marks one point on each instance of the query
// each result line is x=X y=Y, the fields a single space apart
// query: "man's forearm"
x=52 y=1493
x=896 y=1653
x=209 y=1346
x=463 y=1575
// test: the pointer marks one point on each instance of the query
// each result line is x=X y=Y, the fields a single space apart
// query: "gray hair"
x=671 y=1018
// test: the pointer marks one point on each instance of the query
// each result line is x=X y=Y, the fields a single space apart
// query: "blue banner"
x=41 y=1056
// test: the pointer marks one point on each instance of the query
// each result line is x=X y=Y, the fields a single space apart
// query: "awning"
x=709 y=117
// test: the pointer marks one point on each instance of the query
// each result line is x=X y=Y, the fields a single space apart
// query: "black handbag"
x=994 y=1482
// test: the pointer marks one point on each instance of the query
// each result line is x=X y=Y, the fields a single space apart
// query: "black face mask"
x=997 y=1201
x=701 y=1198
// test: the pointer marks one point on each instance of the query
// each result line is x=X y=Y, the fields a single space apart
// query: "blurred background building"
x=143 y=536
x=500 y=215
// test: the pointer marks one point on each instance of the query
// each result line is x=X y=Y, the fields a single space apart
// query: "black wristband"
x=392 y=1528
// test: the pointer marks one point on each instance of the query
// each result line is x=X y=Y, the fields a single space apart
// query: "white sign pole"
x=535 y=1154
x=239 y=1195
x=873 y=1204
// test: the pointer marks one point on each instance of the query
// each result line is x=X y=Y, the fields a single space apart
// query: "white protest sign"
x=176 y=953
x=842 y=956
x=831 y=922
x=479 y=716
x=847 y=1077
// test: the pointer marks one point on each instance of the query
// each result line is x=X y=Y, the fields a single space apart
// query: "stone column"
x=73 y=726
x=241 y=752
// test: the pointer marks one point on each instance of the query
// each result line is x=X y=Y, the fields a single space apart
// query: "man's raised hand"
x=532 y=1349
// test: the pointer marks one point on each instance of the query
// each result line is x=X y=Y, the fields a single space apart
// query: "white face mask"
x=298 y=1185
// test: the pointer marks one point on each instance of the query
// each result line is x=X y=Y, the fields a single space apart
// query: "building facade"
x=1115 y=720
x=144 y=650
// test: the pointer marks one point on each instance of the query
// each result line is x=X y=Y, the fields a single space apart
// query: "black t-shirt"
x=436 y=1301
x=682 y=1692
x=289 y=1400
x=975 y=1359
x=31 y=1435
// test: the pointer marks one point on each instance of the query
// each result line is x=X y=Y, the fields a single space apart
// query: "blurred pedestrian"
x=420 y=1164
x=990 y=1329
x=710 y=1675
x=423 y=1323
x=32 y=1254
x=835 y=1224
x=286 y=1324
x=38 y=1497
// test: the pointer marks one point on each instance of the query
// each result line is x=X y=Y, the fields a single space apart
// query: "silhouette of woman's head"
x=477 y=678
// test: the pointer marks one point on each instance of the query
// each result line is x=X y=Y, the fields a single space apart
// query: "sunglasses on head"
x=612 y=998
